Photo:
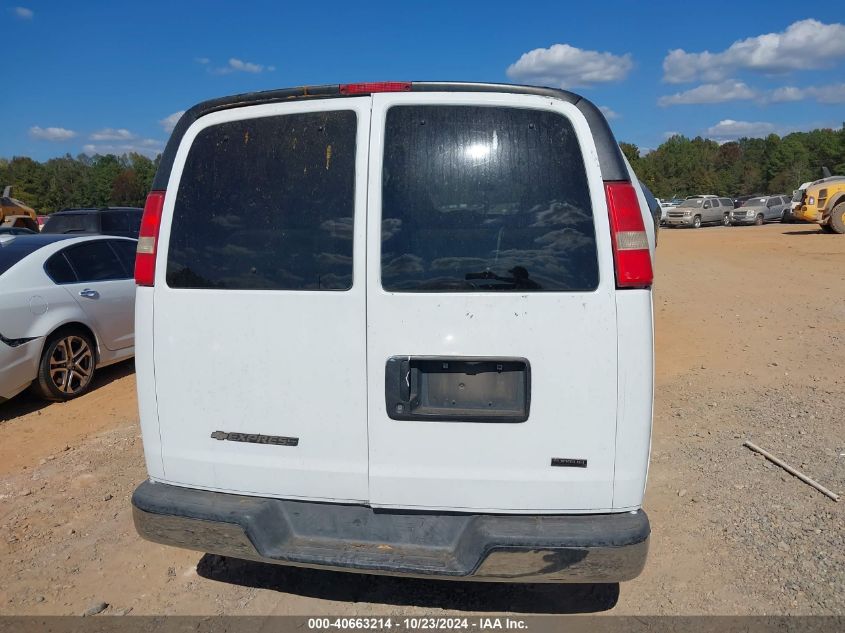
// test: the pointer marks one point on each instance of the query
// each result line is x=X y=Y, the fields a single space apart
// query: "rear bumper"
x=511 y=548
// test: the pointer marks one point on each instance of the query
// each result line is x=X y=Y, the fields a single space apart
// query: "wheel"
x=826 y=228
x=837 y=219
x=696 y=222
x=726 y=221
x=759 y=220
x=66 y=367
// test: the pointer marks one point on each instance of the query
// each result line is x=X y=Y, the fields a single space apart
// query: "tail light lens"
x=375 y=86
x=145 y=259
x=631 y=254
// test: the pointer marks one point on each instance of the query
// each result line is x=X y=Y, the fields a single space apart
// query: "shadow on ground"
x=411 y=592
x=25 y=402
x=808 y=232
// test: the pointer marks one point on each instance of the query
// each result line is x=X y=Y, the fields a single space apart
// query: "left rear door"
x=259 y=303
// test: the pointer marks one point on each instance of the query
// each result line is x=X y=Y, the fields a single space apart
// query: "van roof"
x=610 y=156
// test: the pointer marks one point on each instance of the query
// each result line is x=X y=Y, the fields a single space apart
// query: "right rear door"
x=491 y=317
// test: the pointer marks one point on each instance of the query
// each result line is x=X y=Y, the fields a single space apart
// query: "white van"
x=399 y=328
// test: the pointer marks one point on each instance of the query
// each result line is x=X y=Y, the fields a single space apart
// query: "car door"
x=105 y=291
x=773 y=206
x=491 y=332
x=259 y=302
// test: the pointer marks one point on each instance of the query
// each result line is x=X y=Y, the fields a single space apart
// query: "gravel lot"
x=750 y=345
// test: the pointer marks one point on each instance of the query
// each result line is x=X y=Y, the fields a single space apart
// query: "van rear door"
x=491 y=317
x=259 y=302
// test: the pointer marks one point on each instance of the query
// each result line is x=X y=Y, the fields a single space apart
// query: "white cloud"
x=111 y=134
x=564 y=66
x=169 y=122
x=728 y=129
x=787 y=93
x=148 y=147
x=804 y=45
x=23 y=13
x=729 y=90
x=238 y=65
x=202 y=60
x=51 y=133
x=834 y=93
x=609 y=113
x=829 y=94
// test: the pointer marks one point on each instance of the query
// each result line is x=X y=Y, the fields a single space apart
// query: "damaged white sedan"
x=66 y=308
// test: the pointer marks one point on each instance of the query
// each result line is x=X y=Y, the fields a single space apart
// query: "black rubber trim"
x=610 y=156
x=359 y=537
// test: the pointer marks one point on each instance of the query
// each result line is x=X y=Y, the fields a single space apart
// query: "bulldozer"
x=824 y=203
x=14 y=212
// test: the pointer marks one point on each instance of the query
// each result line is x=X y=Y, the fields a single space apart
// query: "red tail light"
x=375 y=86
x=145 y=259
x=631 y=254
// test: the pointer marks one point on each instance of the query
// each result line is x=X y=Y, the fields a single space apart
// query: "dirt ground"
x=750 y=345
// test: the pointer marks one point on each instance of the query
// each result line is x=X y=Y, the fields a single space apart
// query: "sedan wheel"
x=67 y=367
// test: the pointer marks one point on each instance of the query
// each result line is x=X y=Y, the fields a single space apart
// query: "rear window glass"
x=267 y=204
x=126 y=223
x=485 y=199
x=72 y=223
x=12 y=251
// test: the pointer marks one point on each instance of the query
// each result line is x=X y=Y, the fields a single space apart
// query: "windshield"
x=692 y=203
x=755 y=202
x=798 y=196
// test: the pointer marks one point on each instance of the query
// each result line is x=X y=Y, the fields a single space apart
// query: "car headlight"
x=687 y=214
x=811 y=200
x=748 y=214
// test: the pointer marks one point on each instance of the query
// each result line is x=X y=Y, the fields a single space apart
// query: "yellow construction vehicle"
x=10 y=207
x=824 y=203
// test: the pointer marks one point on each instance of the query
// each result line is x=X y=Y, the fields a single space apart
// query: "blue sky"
x=105 y=76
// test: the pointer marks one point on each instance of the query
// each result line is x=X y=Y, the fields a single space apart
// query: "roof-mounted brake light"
x=375 y=86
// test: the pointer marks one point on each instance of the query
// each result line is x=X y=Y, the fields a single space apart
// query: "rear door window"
x=267 y=203
x=485 y=199
x=95 y=261
x=58 y=269
x=126 y=251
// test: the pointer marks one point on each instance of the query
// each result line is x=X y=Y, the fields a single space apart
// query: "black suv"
x=123 y=221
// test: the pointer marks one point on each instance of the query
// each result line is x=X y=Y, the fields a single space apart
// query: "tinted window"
x=11 y=254
x=126 y=254
x=482 y=198
x=773 y=202
x=94 y=261
x=115 y=223
x=715 y=202
x=58 y=269
x=267 y=203
x=72 y=223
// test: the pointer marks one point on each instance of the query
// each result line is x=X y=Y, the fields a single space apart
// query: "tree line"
x=679 y=167
x=749 y=166
x=84 y=181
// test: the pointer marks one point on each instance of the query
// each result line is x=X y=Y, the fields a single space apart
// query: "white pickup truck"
x=398 y=328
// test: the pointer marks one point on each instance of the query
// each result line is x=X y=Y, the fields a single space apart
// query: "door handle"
x=91 y=294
